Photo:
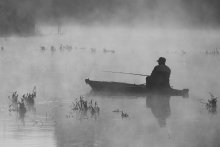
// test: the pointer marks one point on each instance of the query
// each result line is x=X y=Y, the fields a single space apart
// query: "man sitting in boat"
x=160 y=75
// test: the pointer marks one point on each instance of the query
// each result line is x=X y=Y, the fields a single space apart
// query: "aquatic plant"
x=123 y=114
x=14 y=102
x=117 y=110
x=27 y=100
x=211 y=105
x=108 y=51
x=81 y=107
x=93 y=50
x=43 y=48
x=212 y=52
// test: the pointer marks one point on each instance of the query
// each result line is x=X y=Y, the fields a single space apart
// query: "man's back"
x=160 y=76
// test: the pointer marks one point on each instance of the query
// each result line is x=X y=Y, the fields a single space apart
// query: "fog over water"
x=186 y=33
x=59 y=77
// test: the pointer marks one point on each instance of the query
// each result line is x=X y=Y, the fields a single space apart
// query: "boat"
x=117 y=88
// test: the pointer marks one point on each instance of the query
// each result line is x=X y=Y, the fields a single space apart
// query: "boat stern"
x=185 y=93
x=87 y=81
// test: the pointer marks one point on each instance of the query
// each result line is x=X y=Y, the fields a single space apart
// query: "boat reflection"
x=160 y=107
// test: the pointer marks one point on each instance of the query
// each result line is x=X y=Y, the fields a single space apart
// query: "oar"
x=127 y=73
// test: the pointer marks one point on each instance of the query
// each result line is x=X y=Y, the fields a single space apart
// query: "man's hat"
x=161 y=60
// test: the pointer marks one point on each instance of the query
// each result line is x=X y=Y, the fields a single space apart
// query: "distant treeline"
x=17 y=17
x=20 y=16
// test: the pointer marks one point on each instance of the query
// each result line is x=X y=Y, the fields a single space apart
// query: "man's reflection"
x=160 y=107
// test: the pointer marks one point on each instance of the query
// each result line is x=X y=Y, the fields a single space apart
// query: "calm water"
x=59 y=77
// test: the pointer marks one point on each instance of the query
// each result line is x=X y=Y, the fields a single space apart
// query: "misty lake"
x=59 y=76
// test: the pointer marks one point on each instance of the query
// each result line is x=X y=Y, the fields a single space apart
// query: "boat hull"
x=115 y=88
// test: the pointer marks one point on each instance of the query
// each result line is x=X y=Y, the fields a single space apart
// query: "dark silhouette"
x=82 y=107
x=117 y=88
x=43 y=48
x=22 y=111
x=52 y=48
x=123 y=114
x=160 y=75
x=93 y=50
x=108 y=51
x=29 y=100
x=211 y=105
x=14 y=102
x=160 y=107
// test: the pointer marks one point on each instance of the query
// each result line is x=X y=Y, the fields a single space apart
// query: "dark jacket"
x=159 y=77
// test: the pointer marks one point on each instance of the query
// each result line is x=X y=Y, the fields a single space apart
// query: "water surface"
x=59 y=76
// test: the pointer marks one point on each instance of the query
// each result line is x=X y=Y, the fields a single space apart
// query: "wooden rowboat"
x=114 y=88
